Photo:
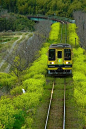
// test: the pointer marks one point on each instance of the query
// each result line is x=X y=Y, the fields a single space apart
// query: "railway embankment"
x=29 y=109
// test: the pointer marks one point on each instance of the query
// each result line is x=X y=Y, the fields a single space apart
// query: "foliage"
x=73 y=37
x=29 y=122
x=53 y=7
x=1 y=126
x=79 y=72
x=19 y=119
x=16 y=91
x=54 y=31
x=7 y=80
x=16 y=23
x=34 y=85
x=18 y=108
x=6 y=113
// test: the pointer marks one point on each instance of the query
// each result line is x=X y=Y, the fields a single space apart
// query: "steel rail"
x=49 y=107
x=64 y=78
x=64 y=108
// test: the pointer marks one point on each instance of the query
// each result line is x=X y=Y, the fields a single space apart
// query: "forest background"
x=62 y=8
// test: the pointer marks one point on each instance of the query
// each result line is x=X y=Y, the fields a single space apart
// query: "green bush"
x=54 y=31
x=6 y=113
x=19 y=120
x=29 y=121
x=33 y=85
x=73 y=37
x=16 y=91
x=27 y=100
x=78 y=76
x=16 y=23
x=79 y=70
x=7 y=80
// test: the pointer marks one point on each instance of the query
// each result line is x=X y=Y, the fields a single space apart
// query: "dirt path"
x=3 y=61
x=26 y=38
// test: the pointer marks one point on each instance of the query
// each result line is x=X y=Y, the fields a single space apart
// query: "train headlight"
x=66 y=62
x=51 y=62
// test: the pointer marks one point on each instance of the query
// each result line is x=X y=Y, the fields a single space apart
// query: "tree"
x=26 y=51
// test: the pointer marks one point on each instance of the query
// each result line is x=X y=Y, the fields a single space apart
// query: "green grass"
x=41 y=111
x=73 y=118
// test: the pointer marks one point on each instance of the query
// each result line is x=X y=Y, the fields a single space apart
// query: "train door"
x=59 y=57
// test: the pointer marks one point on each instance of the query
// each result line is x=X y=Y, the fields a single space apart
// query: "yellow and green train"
x=60 y=59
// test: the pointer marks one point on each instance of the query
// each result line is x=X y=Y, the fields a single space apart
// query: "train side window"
x=67 y=54
x=51 y=54
x=59 y=54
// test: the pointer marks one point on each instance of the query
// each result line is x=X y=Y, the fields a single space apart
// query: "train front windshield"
x=67 y=54
x=51 y=54
x=59 y=54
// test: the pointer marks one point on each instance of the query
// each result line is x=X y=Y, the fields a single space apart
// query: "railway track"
x=63 y=38
x=61 y=114
x=50 y=108
x=56 y=111
x=62 y=111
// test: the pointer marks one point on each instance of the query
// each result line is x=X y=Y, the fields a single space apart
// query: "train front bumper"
x=60 y=69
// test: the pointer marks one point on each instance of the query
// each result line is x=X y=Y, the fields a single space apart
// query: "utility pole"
x=75 y=41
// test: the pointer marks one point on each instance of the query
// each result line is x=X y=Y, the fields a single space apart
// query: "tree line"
x=63 y=8
x=15 y=23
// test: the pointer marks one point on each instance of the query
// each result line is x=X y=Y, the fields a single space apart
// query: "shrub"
x=7 y=80
x=16 y=91
x=29 y=121
x=54 y=31
x=78 y=76
x=73 y=35
x=27 y=100
x=19 y=120
x=6 y=113
x=34 y=84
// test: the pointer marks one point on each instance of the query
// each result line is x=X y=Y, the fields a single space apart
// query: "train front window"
x=67 y=54
x=59 y=54
x=51 y=54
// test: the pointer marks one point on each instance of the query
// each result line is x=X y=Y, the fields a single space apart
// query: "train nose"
x=59 y=69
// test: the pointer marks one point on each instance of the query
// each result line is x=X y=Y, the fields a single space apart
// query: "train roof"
x=60 y=45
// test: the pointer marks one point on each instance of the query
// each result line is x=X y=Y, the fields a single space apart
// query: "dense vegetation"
x=17 y=109
x=79 y=71
x=46 y=7
x=15 y=23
